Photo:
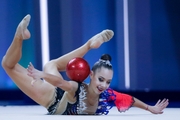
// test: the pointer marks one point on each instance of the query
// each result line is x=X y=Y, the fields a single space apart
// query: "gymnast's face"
x=101 y=79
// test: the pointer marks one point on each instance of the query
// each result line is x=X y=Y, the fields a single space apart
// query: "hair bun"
x=106 y=57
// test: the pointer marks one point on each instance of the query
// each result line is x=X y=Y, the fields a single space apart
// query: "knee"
x=50 y=65
x=3 y=63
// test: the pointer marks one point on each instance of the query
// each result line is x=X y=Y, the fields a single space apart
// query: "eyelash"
x=101 y=80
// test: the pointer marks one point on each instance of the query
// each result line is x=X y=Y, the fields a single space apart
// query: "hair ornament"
x=107 y=62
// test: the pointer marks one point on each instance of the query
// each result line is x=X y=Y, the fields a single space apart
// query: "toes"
x=107 y=35
x=23 y=27
x=101 y=37
x=26 y=20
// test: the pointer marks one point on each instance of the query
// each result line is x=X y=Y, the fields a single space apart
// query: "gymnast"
x=67 y=97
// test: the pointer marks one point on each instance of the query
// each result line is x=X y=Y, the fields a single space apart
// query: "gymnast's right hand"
x=159 y=106
x=34 y=73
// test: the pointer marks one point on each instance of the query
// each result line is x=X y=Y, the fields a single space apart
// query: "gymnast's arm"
x=156 y=109
x=52 y=79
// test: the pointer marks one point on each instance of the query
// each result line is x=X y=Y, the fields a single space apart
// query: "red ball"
x=77 y=69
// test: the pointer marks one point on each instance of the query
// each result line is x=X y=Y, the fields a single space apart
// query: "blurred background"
x=145 y=49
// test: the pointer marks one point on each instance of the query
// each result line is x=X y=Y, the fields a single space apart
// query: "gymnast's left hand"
x=34 y=73
x=159 y=106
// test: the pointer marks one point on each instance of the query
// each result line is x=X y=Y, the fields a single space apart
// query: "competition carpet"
x=36 y=112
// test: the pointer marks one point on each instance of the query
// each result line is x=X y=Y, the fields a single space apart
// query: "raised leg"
x=41 y=92
x=14 y=53
x=59 y=64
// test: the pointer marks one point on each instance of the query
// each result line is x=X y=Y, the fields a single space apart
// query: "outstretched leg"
x=59 y=64
x=41 y=91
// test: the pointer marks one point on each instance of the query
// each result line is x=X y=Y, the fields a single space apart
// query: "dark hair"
x=104 y=61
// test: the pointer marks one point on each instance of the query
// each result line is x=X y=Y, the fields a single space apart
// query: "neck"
x=91 y=94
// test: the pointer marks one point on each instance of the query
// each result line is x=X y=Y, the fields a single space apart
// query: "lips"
x=100 y=89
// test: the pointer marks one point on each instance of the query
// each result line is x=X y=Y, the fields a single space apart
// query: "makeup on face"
x=103 y=79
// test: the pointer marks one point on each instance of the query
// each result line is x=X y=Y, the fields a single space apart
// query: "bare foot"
x=100 y=38
x=22 y=31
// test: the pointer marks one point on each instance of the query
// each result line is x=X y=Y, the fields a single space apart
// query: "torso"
x=82 y=103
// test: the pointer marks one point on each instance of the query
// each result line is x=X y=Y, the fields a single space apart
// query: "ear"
x=91 y=74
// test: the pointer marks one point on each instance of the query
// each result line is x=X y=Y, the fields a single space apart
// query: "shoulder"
x=75 y=86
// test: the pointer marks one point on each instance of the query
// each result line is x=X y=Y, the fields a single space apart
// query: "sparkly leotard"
x=107 y=100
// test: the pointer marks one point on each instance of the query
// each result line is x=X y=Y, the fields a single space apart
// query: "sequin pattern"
x=105 y=102
x=82 y=105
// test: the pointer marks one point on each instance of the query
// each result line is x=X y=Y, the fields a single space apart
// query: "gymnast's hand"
x=158 y=107
x=34 y=73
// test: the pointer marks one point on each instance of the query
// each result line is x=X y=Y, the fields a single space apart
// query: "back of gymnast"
x=64 y=97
